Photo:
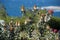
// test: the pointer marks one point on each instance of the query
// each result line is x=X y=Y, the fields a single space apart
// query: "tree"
x=3 y=13
x=54 y=23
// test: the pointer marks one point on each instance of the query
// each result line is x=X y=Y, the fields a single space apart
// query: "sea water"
x=13 y=6
x=56 y=14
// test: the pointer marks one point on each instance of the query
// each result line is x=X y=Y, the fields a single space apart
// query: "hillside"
x=55 y=23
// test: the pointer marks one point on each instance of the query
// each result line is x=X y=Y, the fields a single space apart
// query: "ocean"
x=56 y=14
x=13 y=6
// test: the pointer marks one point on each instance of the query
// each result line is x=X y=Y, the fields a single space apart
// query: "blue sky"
x=13 y=6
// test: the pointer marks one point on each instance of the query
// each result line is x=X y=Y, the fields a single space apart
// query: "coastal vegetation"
x=55 y=21
x=29 y=23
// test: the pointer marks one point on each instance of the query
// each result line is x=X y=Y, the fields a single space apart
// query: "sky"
x=13 y=6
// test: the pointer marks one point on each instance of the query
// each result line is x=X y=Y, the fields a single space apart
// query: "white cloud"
x=55 y=8
x=52 y=7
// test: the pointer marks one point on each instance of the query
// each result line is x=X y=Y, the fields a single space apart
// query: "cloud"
x=55 y=8
x=52 y=7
